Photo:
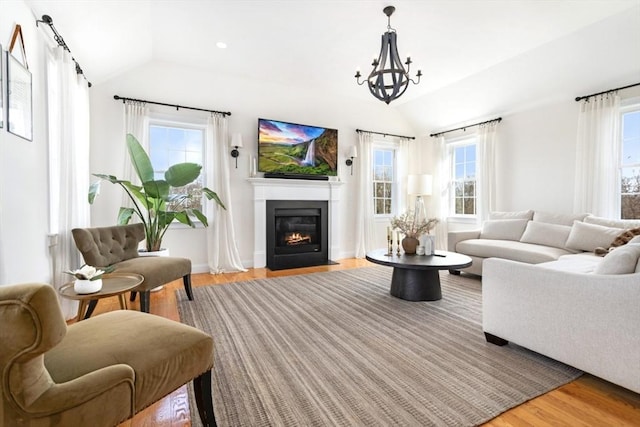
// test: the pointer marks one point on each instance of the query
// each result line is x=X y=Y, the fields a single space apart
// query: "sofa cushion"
x=588 y=237
x=583 y=262
x=557 y=218
x=622 y=260
x=511 y=215
x=618 y=223
x=516 y=251
x=503 y=229
x=542 y=233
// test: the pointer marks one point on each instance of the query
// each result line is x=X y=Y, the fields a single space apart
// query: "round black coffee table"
x=416 y=277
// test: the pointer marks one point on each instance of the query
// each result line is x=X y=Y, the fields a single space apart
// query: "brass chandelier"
x=388 y=80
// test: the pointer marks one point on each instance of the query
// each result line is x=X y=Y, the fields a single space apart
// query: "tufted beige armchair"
x=118 y=246
x=98 y=372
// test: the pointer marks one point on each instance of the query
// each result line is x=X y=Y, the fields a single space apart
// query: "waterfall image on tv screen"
x=294 y=149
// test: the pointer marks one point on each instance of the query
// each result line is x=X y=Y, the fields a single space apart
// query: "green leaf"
x=212 y=195
x=201 y=217
x=124 y=215
x=139 y=159
x=157 y=189
x=184 y=218
x=182 y=174
x=94 y=190
x=165 y=218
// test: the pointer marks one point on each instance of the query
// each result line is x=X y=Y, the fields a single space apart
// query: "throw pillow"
x=511 y=215
x=622 y=260
x=587 y=237
x=622 y=239
x=503 y=229
x=607 y=222
x=541 y=233
x=557 y=218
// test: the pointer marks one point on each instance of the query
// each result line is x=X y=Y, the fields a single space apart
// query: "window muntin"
x=464 y=156
x=630 y=163
x=178 y=143
x=383 y=180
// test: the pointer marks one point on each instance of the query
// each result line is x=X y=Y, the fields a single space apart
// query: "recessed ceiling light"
x=221 y=45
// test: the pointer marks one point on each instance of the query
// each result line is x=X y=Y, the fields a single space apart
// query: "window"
x=464 y=177
x=383 y=180
x=177 y=143
x=630 y=163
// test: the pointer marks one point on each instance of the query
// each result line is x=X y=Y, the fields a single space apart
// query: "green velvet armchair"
x=98 y=372
x=117 y=246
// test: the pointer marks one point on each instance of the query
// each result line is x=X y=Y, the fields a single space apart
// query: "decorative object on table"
x=236 y=142
x=420 y=250
x=388 y=79
x=156 y=196
x=88 y=279
x=412 y=229
x=429 y=243
x=389 y=241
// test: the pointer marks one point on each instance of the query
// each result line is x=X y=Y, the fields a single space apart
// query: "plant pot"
x=409 y=245
x=81 y=286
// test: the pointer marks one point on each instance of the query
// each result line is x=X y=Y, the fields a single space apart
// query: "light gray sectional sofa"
x=546 y=291
x=534 y=237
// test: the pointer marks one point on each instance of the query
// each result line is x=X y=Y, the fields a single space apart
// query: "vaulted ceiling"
x=317 y=43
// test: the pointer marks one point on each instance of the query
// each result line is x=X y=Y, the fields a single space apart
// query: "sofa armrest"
x=453 y=237
x=588 y=321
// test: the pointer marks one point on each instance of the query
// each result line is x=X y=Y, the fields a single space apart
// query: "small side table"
x=113 y=284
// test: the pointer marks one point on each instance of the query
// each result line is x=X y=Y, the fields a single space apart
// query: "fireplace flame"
x=297 y=239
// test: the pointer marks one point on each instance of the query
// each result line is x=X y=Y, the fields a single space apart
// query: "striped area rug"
x=335 y=349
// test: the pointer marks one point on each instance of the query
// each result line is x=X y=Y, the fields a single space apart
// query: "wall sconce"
x=236 y=142
x=353 y=153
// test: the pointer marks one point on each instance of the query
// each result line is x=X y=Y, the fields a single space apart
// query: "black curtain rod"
x=499 y=119
x=58 y=38
x=579 y=98
x=177 y=107
x=385 y=134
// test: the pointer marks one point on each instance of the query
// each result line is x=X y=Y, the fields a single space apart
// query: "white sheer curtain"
x=364 y=200
x=222 y=249
x=68 y=123
x=136 y=121
x=440 y=205
x=402 y=173
x=486 y=177
x=598 y=156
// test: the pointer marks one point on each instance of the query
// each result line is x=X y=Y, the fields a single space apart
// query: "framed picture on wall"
x=19 y=108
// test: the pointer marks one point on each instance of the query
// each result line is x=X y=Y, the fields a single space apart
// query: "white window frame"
x=452 y=144
x=184 y=123
x=388 y=146
x=629 y=106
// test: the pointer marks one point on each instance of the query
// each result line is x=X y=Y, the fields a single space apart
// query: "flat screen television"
x=294 y=149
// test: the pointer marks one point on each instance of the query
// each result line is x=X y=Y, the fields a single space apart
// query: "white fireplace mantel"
x=292 y=189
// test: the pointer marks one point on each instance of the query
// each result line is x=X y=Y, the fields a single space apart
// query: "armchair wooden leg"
x=145 y=297
x=204 y=399
x=186 y=279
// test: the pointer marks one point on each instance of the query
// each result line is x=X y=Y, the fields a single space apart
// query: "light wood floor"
x=588 y=401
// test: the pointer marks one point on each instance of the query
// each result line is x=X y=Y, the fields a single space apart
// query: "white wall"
x=23 y=168
x=247 y=100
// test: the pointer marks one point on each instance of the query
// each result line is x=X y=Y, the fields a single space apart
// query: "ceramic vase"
x=82 y=286
x=409 y=245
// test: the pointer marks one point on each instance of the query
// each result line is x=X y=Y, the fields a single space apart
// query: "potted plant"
x=153 y=198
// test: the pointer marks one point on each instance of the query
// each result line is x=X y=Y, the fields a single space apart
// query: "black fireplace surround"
x=297 y=233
